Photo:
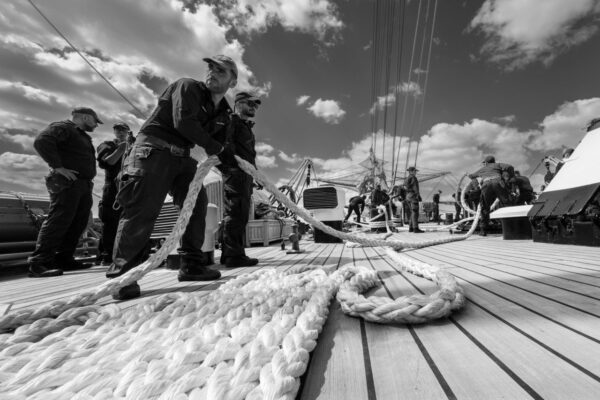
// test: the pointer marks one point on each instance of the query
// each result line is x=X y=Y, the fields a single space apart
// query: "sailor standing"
x=68 y=150
x=237 y=185
x=413 y=197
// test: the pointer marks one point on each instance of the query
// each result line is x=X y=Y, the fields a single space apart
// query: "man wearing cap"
x=68 y=150
x=436 y=207
x=110 y=156
x=565 y=155
x=525 y=190
x=492 y=187
x=237 y=185
x=189 y=113
x=413 y=197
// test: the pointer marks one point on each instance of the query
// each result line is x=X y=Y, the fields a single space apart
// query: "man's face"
x=247 y=108
x=219 y=79
x=120 y=134
x=89 y=123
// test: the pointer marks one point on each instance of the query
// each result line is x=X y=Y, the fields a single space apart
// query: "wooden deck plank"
x=523 y=271
x=415 y=376
x=467 y=370
x=573 y=319
x=337 y=368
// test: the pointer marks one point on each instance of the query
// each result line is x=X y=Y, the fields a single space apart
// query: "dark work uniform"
x=548 y=177
x=457 y=206
x=525 y=189
x=237 y=187
x=492 y=188
x=412 y=197
x=356 y=204
x=436 y=207
x=472 y=194
x=106 y=208
x=159 y=163
x=63 y=144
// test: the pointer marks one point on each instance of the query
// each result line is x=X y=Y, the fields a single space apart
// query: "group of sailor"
x=141 y=171
x=493 y=181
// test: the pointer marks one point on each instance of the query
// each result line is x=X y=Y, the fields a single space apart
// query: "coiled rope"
x=248 y=339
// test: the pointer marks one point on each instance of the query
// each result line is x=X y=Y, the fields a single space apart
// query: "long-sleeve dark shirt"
x=63 y=145
x=490 y=171
x=357 y=201
x=186 y=116
x=523 y=183
x=104 y=150
x=412 y=186
x=240 y=139
x=436 y=198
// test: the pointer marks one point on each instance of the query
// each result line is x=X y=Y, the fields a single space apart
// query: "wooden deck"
x=530 y=329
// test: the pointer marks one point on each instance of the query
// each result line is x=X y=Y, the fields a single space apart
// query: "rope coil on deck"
x=248 y=339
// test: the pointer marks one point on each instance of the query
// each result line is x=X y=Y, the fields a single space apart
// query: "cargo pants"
x=67 y=219
x=149 y=173
x=237 y=187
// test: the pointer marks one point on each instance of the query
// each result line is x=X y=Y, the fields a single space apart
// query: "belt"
x=484 y=180
x=163 y=144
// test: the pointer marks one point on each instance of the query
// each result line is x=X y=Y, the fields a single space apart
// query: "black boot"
x=241 y=261
x=71 y=264
x=128 y=292
x=42 y=270
x=417 y=230
x=196 y=270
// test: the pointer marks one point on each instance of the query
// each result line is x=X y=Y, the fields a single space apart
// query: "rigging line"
x=412 y=117
x=398 y=76
x=85 y=59
x=373 y=60
x=412 y=55
x=420 y=125
x=381 y=41
x=412 y=127
x=375 y=72
x=391 y=29
x=435 y=187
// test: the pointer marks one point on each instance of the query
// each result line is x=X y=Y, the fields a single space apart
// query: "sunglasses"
x=251 y=103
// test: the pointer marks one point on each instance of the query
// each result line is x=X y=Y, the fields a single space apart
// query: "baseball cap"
x=410 y=169
x=246 y=96
x=567 y=152
x=88 y=111
x=489 y=159
x=224 y=62
x=122 y=126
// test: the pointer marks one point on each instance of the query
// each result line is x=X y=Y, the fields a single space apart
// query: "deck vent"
x=322 y=197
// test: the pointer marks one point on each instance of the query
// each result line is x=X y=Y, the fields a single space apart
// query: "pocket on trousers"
x=129 y=191
x=136 y=163
x=56 y=183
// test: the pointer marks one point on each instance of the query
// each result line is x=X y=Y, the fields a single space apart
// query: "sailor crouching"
x=492 y=187
x=68 y=150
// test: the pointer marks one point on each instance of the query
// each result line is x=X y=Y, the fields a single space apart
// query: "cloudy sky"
x=514 y=78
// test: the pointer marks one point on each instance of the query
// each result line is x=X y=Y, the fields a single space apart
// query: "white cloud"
x=302 y=99
x=316 y=17
x=566 y=126
x=519 y=32
x=293 y=159
x=411 y=88
x=265 y=157
x=328 y=110
x=26 y=141
x=23 y=170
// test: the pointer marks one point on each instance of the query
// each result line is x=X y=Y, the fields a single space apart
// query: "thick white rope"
x=61 y=313
x=398 y=245
x=248 y=339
